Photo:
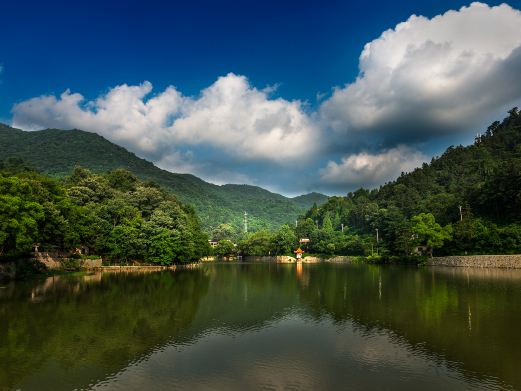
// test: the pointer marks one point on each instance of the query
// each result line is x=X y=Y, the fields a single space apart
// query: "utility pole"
x=377 y=238
x=296 y=223
x=460 y=214
x=342 y=227
x=245 y=222
x=316 y=222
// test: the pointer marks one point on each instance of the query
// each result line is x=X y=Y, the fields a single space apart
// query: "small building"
x=213 y=243
x=303 y=240
x=298 y=252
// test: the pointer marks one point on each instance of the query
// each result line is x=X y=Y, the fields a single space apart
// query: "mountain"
x=474 y=189
x=56 y=152
x=307 y=200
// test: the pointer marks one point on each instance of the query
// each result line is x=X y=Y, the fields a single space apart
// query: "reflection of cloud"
x=294 y=352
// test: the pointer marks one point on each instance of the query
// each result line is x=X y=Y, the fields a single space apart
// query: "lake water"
x=264 y=326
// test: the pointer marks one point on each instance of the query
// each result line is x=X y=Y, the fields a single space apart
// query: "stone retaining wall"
x=273 y=259
x=340 y=259
x=53 y=260
x=501 y=261
x=90 y=263
x=146 y=268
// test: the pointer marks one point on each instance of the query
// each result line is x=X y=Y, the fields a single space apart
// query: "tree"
x=224 y=248
x=20 y=214
x=257 y=243
x=283 y=240
x=223 y=231
x=429 y=232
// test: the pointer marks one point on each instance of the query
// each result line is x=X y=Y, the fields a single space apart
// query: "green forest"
x=57 y=152
x=115 y=216
x=467 y=201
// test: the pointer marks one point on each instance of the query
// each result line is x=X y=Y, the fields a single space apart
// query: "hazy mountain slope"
x=307 y=200
x=57 y=152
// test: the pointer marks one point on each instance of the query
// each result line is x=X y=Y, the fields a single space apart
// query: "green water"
x=264 y=326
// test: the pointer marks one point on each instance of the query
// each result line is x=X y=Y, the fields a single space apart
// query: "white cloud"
x=422 y=79
x=244 y=122
x=432 y=76
x=366 y=169
x=230 y=115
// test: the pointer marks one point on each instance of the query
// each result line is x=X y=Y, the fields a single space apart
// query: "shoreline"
x=22 y=268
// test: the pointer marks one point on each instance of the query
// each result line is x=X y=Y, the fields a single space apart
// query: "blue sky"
x=281 y=62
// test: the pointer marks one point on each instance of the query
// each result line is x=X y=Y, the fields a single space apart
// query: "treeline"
x=467 y=201
x=262 y=242
x=115 y=216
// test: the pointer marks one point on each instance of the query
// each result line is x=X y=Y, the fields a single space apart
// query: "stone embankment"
x=145 y=268
x=492 y=261
x=55 y=260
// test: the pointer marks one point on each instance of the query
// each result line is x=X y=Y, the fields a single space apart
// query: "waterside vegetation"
x=115 y=216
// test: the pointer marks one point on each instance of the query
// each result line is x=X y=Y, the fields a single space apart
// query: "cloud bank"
x=427 y=77
x=366 y=169
x=421 y=80
x=230 y=115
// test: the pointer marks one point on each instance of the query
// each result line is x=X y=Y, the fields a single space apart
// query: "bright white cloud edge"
x=423 y=78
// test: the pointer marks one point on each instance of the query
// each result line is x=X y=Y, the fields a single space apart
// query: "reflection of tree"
x=96 y=326
x=430 y=309
x=103 y=325
x=247 y=296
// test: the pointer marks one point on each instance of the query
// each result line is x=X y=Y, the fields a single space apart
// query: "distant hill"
x=307 y=200
x=57 y=152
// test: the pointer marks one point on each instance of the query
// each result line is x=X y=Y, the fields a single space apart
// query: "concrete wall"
x=502 y=261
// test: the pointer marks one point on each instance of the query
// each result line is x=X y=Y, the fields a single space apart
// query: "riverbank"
x=482 y=261
x=29 y=267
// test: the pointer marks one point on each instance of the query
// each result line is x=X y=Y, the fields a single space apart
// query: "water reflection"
x=237 y=326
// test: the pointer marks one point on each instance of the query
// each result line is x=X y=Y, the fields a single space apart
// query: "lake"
x=264 y=326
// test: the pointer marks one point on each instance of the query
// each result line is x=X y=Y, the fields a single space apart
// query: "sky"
x=293 y=96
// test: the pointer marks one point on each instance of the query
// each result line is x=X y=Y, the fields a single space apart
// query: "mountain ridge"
x=57 y=152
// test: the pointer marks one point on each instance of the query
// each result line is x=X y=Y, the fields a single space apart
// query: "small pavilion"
x=299 y=253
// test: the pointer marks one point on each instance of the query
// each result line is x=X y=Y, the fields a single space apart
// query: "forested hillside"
x=482 y=180
x=114 y=215
x=58 y=152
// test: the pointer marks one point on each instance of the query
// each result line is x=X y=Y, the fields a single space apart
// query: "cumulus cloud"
x=428 y=77
x=366 y=169
x=230 y=115
x=423 y=79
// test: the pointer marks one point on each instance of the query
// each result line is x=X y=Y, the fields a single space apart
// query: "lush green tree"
x=224 y=231
x=225 y=248
x=283 y=240
x=20 y=215
x=257 y=243
x=428 y=232
x=115 y=216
